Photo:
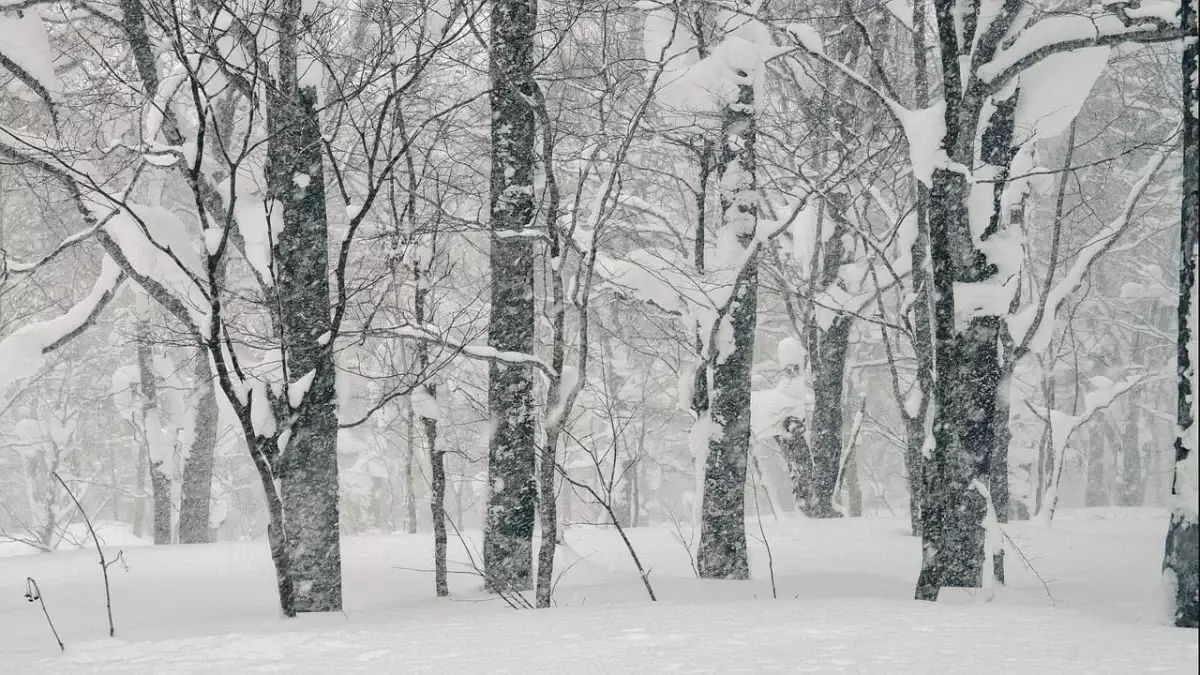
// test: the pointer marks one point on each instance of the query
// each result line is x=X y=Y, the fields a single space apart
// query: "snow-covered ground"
x=843 y=607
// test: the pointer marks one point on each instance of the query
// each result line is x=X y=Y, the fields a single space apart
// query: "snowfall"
x=1083 y=596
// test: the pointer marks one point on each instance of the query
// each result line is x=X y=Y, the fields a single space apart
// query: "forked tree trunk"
x=969 y=372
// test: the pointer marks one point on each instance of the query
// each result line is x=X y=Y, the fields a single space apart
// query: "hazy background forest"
x=452 y=268
x=628 y=437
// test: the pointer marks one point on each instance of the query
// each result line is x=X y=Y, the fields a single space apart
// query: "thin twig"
x=1029 y=565
x=32 y=592
x=112 y=631
x=767 y=544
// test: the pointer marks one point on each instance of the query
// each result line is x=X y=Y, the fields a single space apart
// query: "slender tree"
x=1181 y=563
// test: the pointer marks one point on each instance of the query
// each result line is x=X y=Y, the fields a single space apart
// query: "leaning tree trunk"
x=512 y=489
x=197 y=472
x=307 y=469
x=1181 y=562
x=721 y=553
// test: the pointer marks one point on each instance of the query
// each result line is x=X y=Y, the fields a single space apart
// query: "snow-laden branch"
x=1033 y=327
x=1153 y=21
x=23 y=353
x=431 y=335
x=19 y=267
x=1094 y=402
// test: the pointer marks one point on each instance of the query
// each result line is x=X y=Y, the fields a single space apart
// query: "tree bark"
x=721 y=553
x=969 y=372
x=827 y=350
x=1181 y=561
x=197 y=472
x=152 y=428
x=437 y=461
x=410 y=457
x=307 y=466
x=512 y=489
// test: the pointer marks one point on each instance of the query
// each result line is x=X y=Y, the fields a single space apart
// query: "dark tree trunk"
x=197 y=472
x=721 y=553
x=437 y=507
x=1181 y=562
x=998 y=486
x=914 y=464
x=916 y=431
x=969 y=372
x=922 y=325
x=794 y=444
x=827 y=354
x=512 y=496
x=307 y=466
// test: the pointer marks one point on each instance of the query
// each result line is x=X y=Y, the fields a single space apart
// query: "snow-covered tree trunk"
x=512 y=490
x=721 y=553
x=306 y=464
x=978 y=131
x=196 y=493
x=1181 y=563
